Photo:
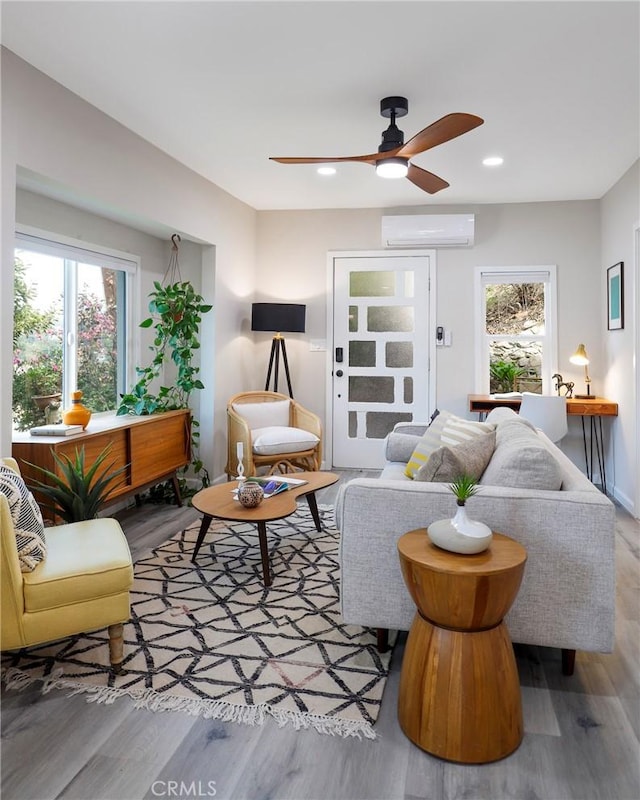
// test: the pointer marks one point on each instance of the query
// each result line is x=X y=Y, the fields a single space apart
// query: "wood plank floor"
x=581 y=733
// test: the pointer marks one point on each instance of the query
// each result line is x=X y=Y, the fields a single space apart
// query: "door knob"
x=339 y=373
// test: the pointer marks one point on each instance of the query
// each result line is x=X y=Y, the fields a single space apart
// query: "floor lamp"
x=279 y=318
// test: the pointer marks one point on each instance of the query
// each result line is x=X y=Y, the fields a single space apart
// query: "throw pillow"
x=261 y=415
x=427 y=443
x=279 y=439
x=521 y=460
x=26 y=517
x=447 y=429
x=469 y=458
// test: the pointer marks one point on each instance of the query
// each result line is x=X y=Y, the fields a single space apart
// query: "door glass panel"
x=362 y=354
x=399 y=354
x=381 y=423
x=408 y=390
x=371 y=389
x=353 y=424
x=390 y=318
x=372 y=284
x=353 y=319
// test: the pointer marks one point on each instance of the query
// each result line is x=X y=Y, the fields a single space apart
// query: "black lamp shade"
x=278 y=317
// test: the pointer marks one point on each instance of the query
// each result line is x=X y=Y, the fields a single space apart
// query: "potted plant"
x=177 y=311
x=77 y=493
x=461 y=534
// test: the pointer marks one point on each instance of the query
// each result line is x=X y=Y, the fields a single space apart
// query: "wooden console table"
x=152 y=447
x=593 y=409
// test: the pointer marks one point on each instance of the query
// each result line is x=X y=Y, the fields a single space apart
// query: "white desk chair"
x=547 y=412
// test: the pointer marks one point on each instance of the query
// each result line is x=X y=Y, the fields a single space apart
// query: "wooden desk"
x=594 y=409
x=598 y=407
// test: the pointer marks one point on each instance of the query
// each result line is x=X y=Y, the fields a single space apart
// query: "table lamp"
x=581 y=358
x=278 y=317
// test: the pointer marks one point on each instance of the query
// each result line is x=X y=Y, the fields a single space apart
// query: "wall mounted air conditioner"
x=428 y=230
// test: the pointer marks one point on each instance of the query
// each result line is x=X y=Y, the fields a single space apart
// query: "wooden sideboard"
x=152 y=448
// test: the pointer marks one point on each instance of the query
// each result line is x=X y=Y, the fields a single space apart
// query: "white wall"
x=50 y=132
x=620 y=210
x=292 y=257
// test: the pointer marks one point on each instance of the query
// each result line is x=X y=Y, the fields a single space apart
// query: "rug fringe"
x=152 y=700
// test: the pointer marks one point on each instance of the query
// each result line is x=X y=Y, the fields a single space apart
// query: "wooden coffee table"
x=459 y=695
x=219 y=502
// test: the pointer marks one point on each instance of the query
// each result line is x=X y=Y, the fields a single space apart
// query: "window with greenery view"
x=516 y=336
x=70 y=324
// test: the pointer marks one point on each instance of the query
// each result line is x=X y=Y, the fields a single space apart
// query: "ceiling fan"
x=392 y=158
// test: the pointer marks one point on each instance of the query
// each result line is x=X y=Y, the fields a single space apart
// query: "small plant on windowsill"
x=176 y=310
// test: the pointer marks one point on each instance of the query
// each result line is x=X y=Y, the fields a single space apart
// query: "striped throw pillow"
x=446 y=429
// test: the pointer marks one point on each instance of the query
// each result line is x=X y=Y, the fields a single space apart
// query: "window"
x=516 y=347
x=72 y=307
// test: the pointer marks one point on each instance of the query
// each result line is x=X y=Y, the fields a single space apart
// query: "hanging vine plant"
x=176 y=313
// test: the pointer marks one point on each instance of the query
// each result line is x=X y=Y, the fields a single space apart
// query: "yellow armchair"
x=274 y=430
x=81 y=585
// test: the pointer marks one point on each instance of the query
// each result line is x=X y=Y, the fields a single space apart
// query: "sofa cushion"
x=262 y=415
x=400 y=446
x=450 y=462
x=446 y=429
x=26 y=517
x=504 y=414
x=273 y=440
x=521 y=460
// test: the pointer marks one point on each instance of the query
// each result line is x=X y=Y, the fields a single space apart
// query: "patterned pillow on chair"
x=26 y=517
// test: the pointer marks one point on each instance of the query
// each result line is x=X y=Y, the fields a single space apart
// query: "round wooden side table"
x=459 y=689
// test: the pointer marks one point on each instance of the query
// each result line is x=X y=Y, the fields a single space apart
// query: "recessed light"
x=326 y=170
x=493 y=161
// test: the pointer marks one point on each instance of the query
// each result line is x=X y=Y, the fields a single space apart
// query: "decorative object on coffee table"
x=459 y=696
x=461 y=534
x=78 y=414
x=250 y=494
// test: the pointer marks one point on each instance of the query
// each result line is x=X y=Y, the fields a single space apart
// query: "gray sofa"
x=567 y=597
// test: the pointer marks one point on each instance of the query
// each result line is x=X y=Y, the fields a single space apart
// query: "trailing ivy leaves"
x=176 y=311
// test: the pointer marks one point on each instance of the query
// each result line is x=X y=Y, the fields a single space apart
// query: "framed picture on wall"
x=615 y=296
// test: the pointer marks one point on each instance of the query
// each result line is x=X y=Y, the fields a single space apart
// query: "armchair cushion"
x=263 y=415
x=26 y=517
x=270 y=441
x=86 y=560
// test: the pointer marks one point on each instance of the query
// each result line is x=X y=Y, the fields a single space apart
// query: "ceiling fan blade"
x=424 y=180
x=439 y=132
x=368 y=159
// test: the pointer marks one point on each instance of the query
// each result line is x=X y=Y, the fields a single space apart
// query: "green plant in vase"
x=78 y=493
x=464 y=487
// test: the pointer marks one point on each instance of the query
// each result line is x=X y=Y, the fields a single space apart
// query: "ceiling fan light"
x=394 y=167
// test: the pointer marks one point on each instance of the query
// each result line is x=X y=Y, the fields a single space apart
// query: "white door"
x=380 y=352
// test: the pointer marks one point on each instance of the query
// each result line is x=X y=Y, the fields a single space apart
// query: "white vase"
x=460 y=534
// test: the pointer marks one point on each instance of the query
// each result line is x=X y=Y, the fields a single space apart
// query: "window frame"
x=77 y=250
x=546 y=274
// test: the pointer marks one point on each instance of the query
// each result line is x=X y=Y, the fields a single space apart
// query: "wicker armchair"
x=275 y=431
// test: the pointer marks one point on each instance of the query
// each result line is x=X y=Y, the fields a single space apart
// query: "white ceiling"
x=221 y=86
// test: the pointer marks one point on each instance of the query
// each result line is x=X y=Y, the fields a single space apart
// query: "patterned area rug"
x=209 y=639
